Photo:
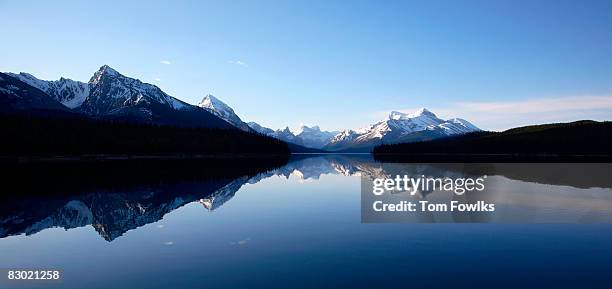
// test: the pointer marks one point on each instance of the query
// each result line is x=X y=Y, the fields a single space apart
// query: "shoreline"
x=492 y=158
x=123 y=157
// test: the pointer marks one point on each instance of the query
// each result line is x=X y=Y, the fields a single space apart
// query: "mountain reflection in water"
x=116 y=198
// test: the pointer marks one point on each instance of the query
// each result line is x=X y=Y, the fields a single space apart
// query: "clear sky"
x=338 y=64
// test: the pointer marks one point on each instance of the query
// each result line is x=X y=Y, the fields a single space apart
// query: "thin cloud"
x=238 y=62
x=157 y=79
x=502 y=115
x=166 y=62
x=241 y=242
x=541 y=105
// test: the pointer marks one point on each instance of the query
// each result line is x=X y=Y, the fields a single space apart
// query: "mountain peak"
x=214 y=104
x=104 y=70
x=210 y=100
x=222 y=110
x=420 y=112
x=108 y=70
x=306 y=129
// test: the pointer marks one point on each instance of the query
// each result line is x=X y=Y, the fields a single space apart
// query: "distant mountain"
x=17 y=96
x=260 y=129
x=223 y=111
x=306 y=136
x=309 y=137
x=314 y=137
x=399 y=127
x=287 y=135
x=575 y=141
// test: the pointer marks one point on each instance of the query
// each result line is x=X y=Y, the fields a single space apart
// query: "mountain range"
x=111 y=95
x=579 y=141
x=421 y=125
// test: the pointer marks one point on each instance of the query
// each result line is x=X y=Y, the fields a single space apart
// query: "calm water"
x=299 y=226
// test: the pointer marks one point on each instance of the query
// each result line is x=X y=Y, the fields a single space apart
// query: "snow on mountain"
x=400 y=127
x=458 y=126
x=222 y=110
x=314 y=137
x=69 y=92
x=113 y=95
x=110 y=90
x=287 y=135
x=260 y=129
x=109 y=94
x=344 y=138
x=16 y=95
x=311 y=137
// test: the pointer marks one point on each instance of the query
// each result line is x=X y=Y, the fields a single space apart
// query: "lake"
x=298 y=224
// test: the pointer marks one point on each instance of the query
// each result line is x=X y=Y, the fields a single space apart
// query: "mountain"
x=112 y=91
x=115 y=96
x=287 y=135
x=283 y=134
x=399 y=127
x=66 y=91
x=119 y=115
x=260 y=129
x=314 y=137
x=575 y=141
x=111 y=95
x=223 y=111
x=308 y=137
x=17 y=97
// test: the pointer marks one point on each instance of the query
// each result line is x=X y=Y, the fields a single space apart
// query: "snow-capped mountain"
x=314 y=137
x=287 y=135
x=222 y=110
x=69 y=92
x=400 y=127
x=111 y=95
x=260 y=129
x=16 y=95
x=311 y=137
x=111 y=91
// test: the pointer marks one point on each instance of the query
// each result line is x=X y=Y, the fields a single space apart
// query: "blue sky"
x=338 y=64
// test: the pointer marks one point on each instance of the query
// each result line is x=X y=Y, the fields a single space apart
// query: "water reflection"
x=115 y=199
